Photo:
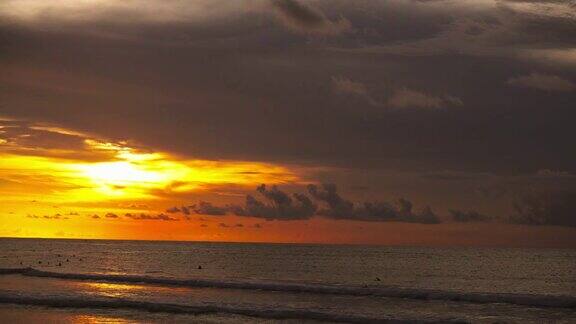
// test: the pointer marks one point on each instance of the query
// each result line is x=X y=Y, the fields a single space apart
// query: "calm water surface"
x=282 y=282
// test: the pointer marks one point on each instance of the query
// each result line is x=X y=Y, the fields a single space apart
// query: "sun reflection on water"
x=110 y=289
x=101 y=319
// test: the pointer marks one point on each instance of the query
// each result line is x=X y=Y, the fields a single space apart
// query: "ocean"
x=99 y=281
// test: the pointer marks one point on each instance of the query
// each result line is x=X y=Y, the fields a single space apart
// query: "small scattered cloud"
x=408 y=98
x=173 y=210
x=337 y=207
x=544 y=82
x=142 y=216
x=400 y=98
x=345 y=86
x=277 y=205
x=137 y=216
x=553 y=173
x=207 y=208
x=51 y=217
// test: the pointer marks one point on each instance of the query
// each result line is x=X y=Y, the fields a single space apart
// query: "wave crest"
x=392 y=292
x=275 y=313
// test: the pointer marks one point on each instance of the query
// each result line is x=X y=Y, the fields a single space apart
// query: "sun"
x=133 y=172
x=122 y=173
x=125 y=178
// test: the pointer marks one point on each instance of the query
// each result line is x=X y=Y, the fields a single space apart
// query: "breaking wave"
x=268 y=313
x=392 y=292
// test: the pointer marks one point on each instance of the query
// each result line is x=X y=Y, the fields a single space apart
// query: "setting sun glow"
x=106 y=179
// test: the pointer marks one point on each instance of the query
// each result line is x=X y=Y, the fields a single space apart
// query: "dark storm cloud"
x=224 y=80
x=536 y=31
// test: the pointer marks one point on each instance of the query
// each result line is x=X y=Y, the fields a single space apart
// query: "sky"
x=410 y=122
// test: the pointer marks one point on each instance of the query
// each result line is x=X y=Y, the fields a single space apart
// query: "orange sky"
x=53 y=192
x=367 y=121
x=85 y=191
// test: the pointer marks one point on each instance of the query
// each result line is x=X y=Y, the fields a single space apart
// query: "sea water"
x=98 y=281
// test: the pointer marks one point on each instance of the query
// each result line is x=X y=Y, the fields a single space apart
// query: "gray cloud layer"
x=301 y=17
x=326 y=83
